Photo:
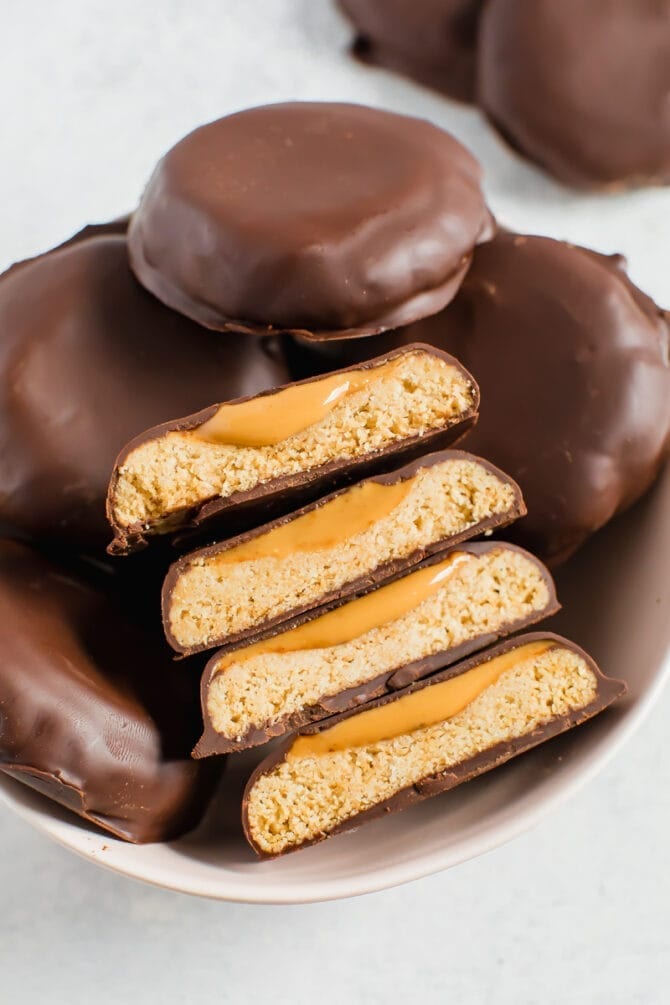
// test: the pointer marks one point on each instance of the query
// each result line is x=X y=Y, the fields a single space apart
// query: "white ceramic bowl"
x=616 y=596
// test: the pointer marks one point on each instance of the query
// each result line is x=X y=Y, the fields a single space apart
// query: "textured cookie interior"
x=168 y=475
x=214 y=598
x=302 y=799
x=485 y=592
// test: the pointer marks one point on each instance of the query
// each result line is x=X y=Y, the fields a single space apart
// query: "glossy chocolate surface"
x=310 y=216
x=88 y=359
x=93 y=713
x=581 y=87
x=572 y=362
x=432 y=41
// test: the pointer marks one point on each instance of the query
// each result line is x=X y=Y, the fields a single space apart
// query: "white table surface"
x=91 y=93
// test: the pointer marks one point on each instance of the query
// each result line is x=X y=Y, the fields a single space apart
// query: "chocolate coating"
x=388 y=682
x=581 y=88
x=572 y=363
x=608 y=691
x=572 y=360
x=432 y=41
x=88 y=359
x=93 y=713
x=313 y=217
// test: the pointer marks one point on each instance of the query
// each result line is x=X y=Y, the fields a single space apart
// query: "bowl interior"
x=616 y=598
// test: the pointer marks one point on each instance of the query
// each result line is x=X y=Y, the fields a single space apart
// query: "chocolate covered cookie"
x=93 y=713
x=581 y=87
x=88 y=359
x=307 y=216
x=432 y=41
x=572 y=362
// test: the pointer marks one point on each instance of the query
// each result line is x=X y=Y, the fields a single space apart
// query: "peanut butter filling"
x=349 y=514
x=424 y=708
x=357 y=617
x=269 y=419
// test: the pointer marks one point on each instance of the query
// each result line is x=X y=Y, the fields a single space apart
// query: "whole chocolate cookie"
x=572 y=363
x=88 y=359
x=582 y=88
x=314 y=217
x=93 y=713
x=432 y=41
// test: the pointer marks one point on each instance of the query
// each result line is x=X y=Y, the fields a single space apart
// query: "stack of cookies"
x=250 y=394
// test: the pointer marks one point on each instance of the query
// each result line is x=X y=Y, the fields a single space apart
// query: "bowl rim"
x=556 y=792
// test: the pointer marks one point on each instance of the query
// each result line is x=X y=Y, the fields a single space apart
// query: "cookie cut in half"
x=341 y=545
x=409 y=628
x=268 y=454
x=421 y=741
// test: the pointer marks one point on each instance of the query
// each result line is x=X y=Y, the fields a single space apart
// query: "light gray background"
x=91 y=93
